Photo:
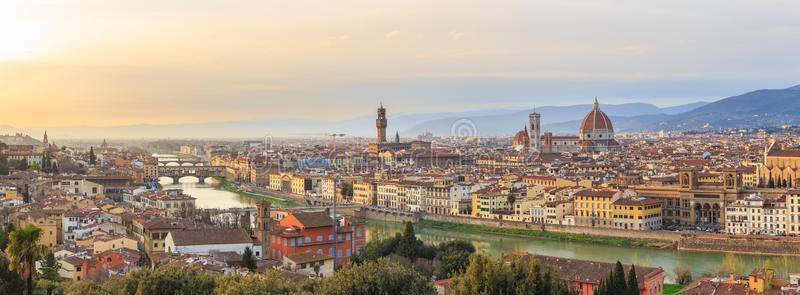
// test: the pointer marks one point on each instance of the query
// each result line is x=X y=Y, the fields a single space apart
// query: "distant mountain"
x=556 y=119
x=760 y=108
x=491 y=121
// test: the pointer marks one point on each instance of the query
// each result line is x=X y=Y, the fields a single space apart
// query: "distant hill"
x=18 y=139
x=760 y=108
x=556 y=119
x=488 y=122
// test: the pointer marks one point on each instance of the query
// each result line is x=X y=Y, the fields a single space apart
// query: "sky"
x=107 y=62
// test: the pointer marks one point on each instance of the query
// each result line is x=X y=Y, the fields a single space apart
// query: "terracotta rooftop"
x=210 y=236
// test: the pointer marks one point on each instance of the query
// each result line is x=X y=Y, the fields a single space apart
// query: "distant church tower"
x=535 y=132
x=381 y=124
x=44 y=140
x=262 y=221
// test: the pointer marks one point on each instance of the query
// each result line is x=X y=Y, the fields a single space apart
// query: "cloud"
x=391 y=35
x=456 y=35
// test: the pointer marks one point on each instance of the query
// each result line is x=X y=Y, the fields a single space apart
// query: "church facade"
x=596 y=134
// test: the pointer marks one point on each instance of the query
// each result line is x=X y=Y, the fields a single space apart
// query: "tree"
x=268 y=283
x=48 y=279
x=21 y=164
x=375 y=277
x=316 y=269
x=633 y=283
x=512 y=276
x=347 y=189
x=408 y=243
x=511 y=199
x=23 y=252
x=453 y=257
x=247 y=259
x=10 y=281
x=683 y=275
x=784 y=183
x=92 y=157
x=771 y=183
x=619 y=285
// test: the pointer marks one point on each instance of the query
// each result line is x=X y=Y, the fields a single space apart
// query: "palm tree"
x=23 y=252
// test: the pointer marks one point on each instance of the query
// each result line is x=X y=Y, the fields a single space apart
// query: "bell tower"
x=535 y=130
x=381 y=124
x=262 y=221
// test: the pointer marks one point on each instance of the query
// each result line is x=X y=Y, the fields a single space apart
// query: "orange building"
x=313 y=232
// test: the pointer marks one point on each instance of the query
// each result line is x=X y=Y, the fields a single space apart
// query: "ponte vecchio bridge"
x=201 y=172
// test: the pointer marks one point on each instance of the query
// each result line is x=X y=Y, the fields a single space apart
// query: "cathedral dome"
x=596 y=120
x=521 y=138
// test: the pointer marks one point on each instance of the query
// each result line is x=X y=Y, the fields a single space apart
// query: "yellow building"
x=490 y=202
x=105 y=243
x=365 y=193
x=637 y=214
x=48 y=220
x=595 y=207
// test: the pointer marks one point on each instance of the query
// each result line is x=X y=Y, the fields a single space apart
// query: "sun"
x=20 y=36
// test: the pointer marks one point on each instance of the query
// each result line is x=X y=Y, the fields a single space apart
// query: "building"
x=793 y=211
x=596 y=134
x=757 y=215
x=595 y=207
x=780 y=166
x=78 y=185
x=490 y=202
x=535 y=133
x=365 y=193
x=382 y=145
x=637 y=214
x=305 y=262
x=302 y=232
x=698 y=199
x=380 y=123
x=208 y=241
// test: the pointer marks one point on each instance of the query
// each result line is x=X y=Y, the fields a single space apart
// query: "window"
x=308 y=239
x=330 y=251
x=108 y=259
x=319 y=238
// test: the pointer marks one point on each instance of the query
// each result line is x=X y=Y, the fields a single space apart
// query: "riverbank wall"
x=740 y=244
x=651 y=236
x=754 y=245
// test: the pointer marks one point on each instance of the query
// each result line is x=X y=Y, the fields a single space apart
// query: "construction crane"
x=334 y=136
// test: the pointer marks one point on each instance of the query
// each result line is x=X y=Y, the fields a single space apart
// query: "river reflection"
x=207 y=196
x=496 y=245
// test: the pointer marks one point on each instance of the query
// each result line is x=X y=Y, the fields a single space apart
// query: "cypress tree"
x=619 y=286
x=92 y=157
x=784 y=183
x=408 y=243
x=790 y=183
x=247 y=259
x=771 y=183
x=633 y=284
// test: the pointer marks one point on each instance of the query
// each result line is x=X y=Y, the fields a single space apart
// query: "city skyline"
x=100 y=64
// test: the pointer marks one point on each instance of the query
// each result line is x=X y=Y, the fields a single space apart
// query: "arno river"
x=496 y=245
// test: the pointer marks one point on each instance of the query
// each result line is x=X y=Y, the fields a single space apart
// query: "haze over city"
x=100 y=63
x=303 y=147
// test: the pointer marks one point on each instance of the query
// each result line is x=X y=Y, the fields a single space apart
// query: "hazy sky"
x=101 y=62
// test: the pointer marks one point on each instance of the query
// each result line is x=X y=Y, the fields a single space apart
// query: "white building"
x=755 y=215
x=304 y=263
x=793 y=212
x=207 y=241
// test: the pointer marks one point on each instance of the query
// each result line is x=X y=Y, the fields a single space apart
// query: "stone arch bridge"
x=201 y=172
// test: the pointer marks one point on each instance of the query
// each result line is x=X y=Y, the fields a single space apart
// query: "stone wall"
x=644 y=235
x=740 y=244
